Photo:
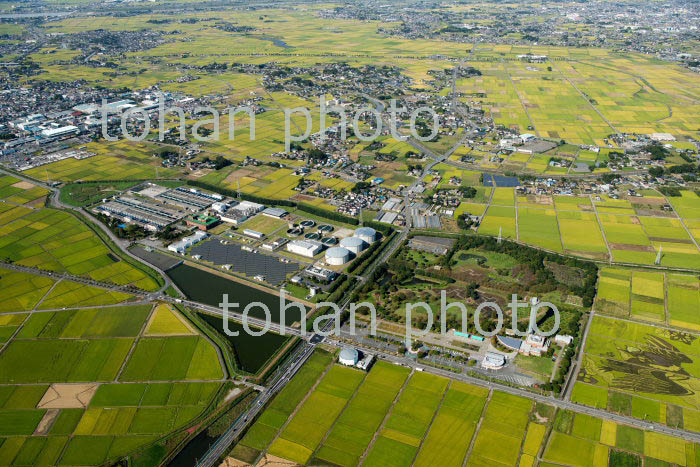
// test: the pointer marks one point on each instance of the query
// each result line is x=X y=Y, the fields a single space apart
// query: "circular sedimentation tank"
x=312 y=236
x=307 y=224
x=325 y=228
x=295 y=231
x=330 y=241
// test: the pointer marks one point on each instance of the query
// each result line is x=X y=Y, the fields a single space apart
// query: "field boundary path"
x=682 y=223
x=432 y=420
x=571 y=381
x=477 y=429
x=55 y=199
x=550 y=400
x=48 y=292
x=602 y=230
x=363 y=457
x=135 y=343
x=520 y=99
x=335 y=422
x=222 y=444
x=584 y=97
x=517 y=224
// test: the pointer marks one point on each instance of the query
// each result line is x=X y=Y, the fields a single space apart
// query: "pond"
x=277 y=42
x=252 y=352
x=193 y=451
x=500 y=180
x=205 y=287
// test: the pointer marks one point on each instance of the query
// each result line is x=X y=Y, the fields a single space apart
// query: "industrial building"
x=242 y=212
x=181 y=246
x=368 y=234
x=354 y=244
x=338 y=256
x=254 y=234
x=61 y=131
x=274 y=245
x=277 y=213
x=220 y=207
x=149 y=215
x=392 y=204
x=249 y=207
x=192 y=200
x=234 y=217
x=202 y=221
x=306 y=248
x=321 y=273
x=386 y=217
x=435 y=245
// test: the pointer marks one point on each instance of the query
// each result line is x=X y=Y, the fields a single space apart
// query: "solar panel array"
x=246 y=262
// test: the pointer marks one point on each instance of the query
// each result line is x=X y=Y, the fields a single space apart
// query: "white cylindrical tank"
x=368 y=234
x=337 y=256
x=348 y=356
x=354 y=244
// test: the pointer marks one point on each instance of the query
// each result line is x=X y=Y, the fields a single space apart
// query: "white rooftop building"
x=493 y=361
x=61 y=131
x=304 y=248
x=182 y=245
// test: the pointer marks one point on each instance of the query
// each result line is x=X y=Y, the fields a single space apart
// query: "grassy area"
x=85 y=194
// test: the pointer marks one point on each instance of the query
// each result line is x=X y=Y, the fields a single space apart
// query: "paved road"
x=571 y=380
x=80 y=279
x=284 y=373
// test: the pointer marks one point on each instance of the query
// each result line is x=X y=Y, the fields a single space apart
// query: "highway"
x=279 y=380
x=223 y=444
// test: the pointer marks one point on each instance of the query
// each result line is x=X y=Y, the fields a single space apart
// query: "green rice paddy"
x=91 y=347
x=616 y=350
x=392 y=418
x=57 y=241
x=596 y=228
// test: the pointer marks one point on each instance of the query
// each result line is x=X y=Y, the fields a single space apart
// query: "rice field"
x=519 y=95
x=57 y=241
x=18 y=192
x=96 y=419
x=661 y=297
x=262 y=181
x=389 y=417
x=616 y=372
x=120 y=160
x=592 y=227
